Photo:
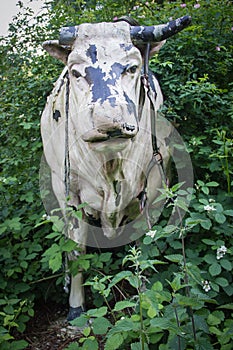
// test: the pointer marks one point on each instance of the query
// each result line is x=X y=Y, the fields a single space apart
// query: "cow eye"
x=75 y=73
x=132 y=69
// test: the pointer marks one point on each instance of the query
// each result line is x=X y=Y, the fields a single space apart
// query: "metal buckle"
x=158 y=157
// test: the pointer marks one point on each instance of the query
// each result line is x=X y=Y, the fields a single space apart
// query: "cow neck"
x=157 y=158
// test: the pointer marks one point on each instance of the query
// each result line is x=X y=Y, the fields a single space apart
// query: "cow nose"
x=123 y=130
x=129 y=127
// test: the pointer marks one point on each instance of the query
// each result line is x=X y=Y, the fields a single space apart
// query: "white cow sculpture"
x=100 y=130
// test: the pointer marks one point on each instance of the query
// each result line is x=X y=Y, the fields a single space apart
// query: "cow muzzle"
x=111 y=132
x=116 y=124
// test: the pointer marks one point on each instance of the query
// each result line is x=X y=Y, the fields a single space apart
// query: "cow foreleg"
x=77 y=296
x=77 y=299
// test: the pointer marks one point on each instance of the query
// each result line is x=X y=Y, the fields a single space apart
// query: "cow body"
x=99 y=113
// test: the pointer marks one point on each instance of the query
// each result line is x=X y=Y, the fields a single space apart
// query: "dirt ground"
x=49 y=330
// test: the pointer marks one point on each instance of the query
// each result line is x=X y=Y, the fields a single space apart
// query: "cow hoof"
x=74 y=312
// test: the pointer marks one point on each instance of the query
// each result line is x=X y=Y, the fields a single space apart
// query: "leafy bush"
x=175 y=291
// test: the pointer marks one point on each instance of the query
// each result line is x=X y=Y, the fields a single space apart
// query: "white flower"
x=211 y=200
x=45 y=217
x=209 y=208
x=206 y=286
x=221 y=252
x=151 y=233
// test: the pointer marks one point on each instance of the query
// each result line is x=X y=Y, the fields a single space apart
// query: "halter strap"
x=157 y=158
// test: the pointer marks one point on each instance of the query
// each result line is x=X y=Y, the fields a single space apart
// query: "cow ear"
x=56 y=50
x=156 y=47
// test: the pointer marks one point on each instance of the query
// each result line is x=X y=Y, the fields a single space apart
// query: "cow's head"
x=104 y=62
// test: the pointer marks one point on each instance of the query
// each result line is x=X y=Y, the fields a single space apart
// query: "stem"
x=227 y=168
x=186 y=280
x=107 y=303
x=141 y=321
x=178 y=324
x=142 y=335
x=47 y=278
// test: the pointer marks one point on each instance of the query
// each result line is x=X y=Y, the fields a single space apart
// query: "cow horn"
x=144 y=34
x=139 y=34
x=68 y=35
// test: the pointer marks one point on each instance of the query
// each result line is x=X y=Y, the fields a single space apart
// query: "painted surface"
x=109 y=132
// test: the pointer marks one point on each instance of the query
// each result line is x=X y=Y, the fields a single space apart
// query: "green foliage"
x=175 y=292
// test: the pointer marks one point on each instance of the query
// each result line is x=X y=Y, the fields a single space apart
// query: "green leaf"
x=124 y=325
x=170 y=229
x=78 y=214
x=90 y=344
x=138 y=346
x=54 y=235
x=177 y=186
x=163 y=324
x=80 y=321
x=226 y=264
x=208 y=241
x=105 y=257
x=228 y=212
x=220 y=218
x=157 y=286
x=147 y=240
x=120 y=305
x=176 y=284
x=177 y=258
x=100 y=325
x=212 y=184
x=102 y=311
x=226 y=306
x=55 y=262
x=206 y=224
x=86 y=331
x=133 y=280
x=213 y=320
x=189 y=301
x=210 y=258
x=205 y=190
x=120 y=276
x=152 y=312
x=223 y=282
x=114 y=342
x=19 y=344
x=69 y=246
x=215 y=269
x=203 y=344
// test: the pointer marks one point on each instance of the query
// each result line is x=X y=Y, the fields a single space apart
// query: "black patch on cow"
x=93 y=221
x=101 y=86
x=130 y=105
x=116 y=70
x=117 y=189
x=92 y=53
x=56 y=115
x=127 y=47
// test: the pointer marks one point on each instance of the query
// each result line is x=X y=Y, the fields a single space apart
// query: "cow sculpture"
x=99 y=128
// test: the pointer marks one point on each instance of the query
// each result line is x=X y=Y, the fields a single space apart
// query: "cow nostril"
x=114 y=133
x=128 y=127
